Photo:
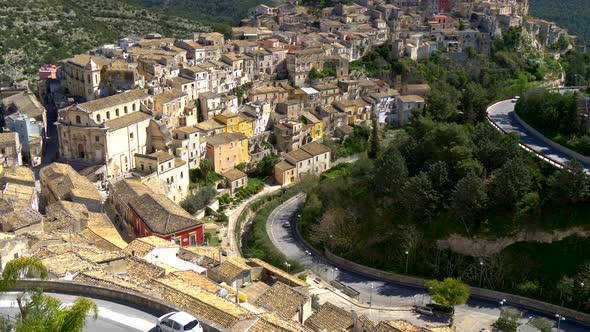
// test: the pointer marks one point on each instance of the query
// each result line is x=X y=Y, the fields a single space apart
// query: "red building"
x=155 y=214
x=443 y=6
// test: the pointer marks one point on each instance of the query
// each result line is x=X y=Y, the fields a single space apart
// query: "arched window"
x=78 y=120
x=117 y=112
x=98 y=118
x=125 y=110
x=108 y=115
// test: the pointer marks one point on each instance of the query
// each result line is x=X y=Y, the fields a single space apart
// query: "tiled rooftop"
x=282 y=300
x=331 y=318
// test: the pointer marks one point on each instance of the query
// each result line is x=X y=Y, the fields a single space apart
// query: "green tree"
x=510 y=182
x=374 y=148
x=474 y=100
x=42 y=312
x=570 y=184
x=468 y=199
x=449 y=292
x=205 y=167
x=390 y=173
x=508 y=320
x=542 y=324
x=442 y=101
x=46 y=313
x=565 y=286
x=418 y=197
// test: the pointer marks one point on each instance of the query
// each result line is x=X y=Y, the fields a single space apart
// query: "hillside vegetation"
x=44 y=31
x=219 y=13
x=574 y=15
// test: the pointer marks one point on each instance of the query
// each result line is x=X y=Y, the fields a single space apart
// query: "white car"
x=178 y=321
x=515 y=99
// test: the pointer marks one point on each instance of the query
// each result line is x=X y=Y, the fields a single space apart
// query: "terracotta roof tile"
x=331 y=318
x=282 y=299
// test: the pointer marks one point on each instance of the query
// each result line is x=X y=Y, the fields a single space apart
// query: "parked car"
x=178 y=321
x=286 y=224
x=425 y=311
x=515 y=99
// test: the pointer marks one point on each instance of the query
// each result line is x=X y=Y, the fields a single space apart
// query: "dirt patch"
x=481 y=247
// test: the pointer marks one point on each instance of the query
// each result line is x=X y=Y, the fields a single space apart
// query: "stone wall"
x=148 y=304
x=479 y=293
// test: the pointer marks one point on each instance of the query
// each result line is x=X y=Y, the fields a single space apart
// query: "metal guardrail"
x=525 y=146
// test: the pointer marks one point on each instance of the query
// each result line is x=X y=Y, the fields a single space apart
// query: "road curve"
x=384 y=294
x=112 y=317
x=503 y=115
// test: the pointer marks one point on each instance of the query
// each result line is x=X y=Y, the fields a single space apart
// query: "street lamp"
x=502 y=303
x=371 y=296
x=407 y=259
x=288 y=267
x=559 y=319
x=481 y=274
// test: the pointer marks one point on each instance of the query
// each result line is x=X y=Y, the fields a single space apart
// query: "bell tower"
x=91 y=80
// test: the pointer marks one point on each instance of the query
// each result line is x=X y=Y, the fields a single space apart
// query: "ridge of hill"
x=573 y=15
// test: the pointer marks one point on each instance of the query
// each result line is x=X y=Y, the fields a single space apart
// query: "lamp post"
x=407 y=260
x=481 y=273
x=559 y=319
x=288 y=267
x=371 y=296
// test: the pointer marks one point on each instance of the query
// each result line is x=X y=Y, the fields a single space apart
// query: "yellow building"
x=227 y=150
x=246 y=124
x=315 y=126
x=230 y=120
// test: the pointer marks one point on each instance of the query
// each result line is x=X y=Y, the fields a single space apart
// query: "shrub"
x=195 y=202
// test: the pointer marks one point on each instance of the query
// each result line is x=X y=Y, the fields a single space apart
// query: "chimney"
x=220 y=257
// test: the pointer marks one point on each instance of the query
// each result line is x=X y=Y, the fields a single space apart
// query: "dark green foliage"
x=570 y=14
x=200 y=199
x=227 y=12
x=374 y=148
x=556 y=116
x=42 y=32
x=355 y=143
x=445 y=178
x=265 y=167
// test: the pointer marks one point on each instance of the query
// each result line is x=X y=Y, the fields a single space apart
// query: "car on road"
x=286 y=224
x=425 y=311
x=178 y=321
x=515 y=99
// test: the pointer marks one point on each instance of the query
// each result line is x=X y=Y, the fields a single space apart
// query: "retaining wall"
x=486 y=294
x=132 y=299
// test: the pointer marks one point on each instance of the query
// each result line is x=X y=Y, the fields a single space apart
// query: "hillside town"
x=102 y=152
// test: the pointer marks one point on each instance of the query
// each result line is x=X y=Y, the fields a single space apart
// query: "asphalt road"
x=502 y=114
x=383 y=294
x=112 y=317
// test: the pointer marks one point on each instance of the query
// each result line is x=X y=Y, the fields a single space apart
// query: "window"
x=98 y=117
x=181 y=175
x=78 y=119
x=133 y=107
x=161 y=168
x=125 y=109
x=169 y=164
x=108 y=115
x=130 y=135
x=142 y=167
x=117 y=112
x=96 y=138
x=193 y=239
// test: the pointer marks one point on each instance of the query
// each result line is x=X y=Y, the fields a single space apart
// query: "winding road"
x=502 y=114
x=383 y=294
x=112 y=317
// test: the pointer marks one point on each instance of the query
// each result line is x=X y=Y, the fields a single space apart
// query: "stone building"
x=107 y=131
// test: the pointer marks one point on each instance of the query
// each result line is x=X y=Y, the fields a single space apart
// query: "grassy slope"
x=574 y=15
x=211 y=11
x=45 y=31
